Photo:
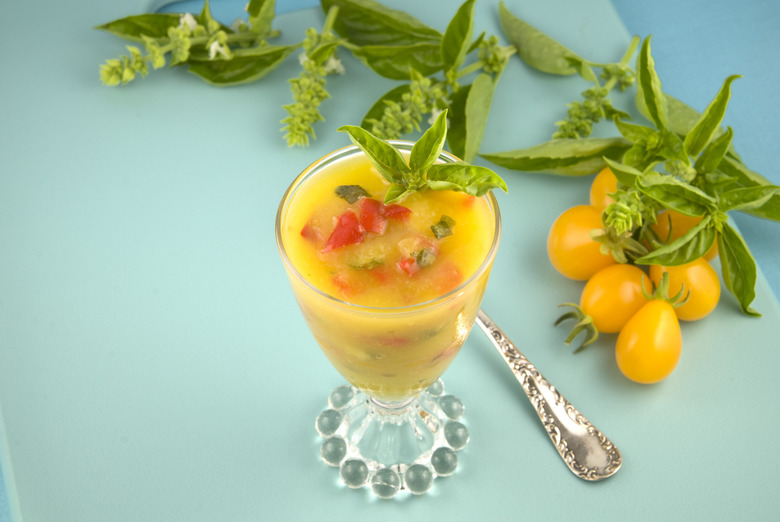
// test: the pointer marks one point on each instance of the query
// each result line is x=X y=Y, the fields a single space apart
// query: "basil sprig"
x=680 y=159
x=219 y=54
x=422 y=172
x=394 y=44
x=434 y=65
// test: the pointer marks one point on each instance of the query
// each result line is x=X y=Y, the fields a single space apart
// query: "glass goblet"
x=392 y=427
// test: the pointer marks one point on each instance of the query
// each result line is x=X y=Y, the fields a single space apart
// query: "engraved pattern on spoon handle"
x=585 y=450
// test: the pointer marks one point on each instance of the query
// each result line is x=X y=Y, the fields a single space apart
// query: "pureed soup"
x=376 y=266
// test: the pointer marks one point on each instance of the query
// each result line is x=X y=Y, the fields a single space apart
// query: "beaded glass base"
x=392 y=448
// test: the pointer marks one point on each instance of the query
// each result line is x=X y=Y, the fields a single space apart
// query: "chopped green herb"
x=444 y=227
x=424 y=257
x=351 y=193
x=367 y=264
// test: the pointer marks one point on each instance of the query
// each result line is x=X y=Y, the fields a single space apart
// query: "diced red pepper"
x=397 y=212
x=409 y=265
x=311 y=232
x=372 y=217
x=347 y=232
x=380 y=274
x=345 y=284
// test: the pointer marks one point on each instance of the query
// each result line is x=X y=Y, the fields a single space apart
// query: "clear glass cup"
x=392 y=427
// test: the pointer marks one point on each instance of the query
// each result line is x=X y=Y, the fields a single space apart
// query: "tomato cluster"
x=643 y=306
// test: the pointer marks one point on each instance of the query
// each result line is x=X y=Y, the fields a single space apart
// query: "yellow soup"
x=370 y=277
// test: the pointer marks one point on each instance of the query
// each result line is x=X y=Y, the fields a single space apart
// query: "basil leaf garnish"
x=443 y=227
x=422 y=173
x=386 y=158
x=351 y=193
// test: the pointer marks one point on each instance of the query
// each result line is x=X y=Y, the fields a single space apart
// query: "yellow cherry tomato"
x=649 y=345
x=604 y=184
x=700 y=279
x=680 y=224
x=570 y=247
x=613 y=295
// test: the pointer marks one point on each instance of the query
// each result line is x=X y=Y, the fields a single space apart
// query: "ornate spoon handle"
x=585 y=450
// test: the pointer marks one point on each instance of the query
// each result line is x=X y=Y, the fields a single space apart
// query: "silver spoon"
x=585 y=450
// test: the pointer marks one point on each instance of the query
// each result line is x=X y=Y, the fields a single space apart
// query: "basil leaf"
x=673 y=147
x=456 y=132
x=396 y=192
x=649 y=90
x=689 y=247
x=563 y=156
x=681 y=117
x=746 y=198
x=714 y=153
x=536 y=48
x=153 y=25
x=638 y=156
x=386 y=158
x=634 y=132
x=247 y=65
x=377 y=110
x=395 y=61
x=426 y=150
x=324 y=50
x=468 y=114
x=744 y=175
x=261 y=15
x=737 y=267
x=710 y=120
x=478 y=102
x=476 y=43
x=471 y=179
x=204 y=18
x=675 y=194
x=626 y=174
x=365 y=22
x=747 y=178
x=351 y=193
x=443 y=228
x=457 y=37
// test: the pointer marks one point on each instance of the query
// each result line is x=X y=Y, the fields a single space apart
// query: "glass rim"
x=346 y=151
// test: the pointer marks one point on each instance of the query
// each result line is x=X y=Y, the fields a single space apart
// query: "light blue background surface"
x=148 y=339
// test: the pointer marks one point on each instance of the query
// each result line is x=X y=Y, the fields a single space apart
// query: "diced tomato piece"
x=372 y=217
x=311 y=232
x=397 y=212
x=394 y=340
x=409 y=265
x=347 y=232
x=344 y=284
x=380 y=274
